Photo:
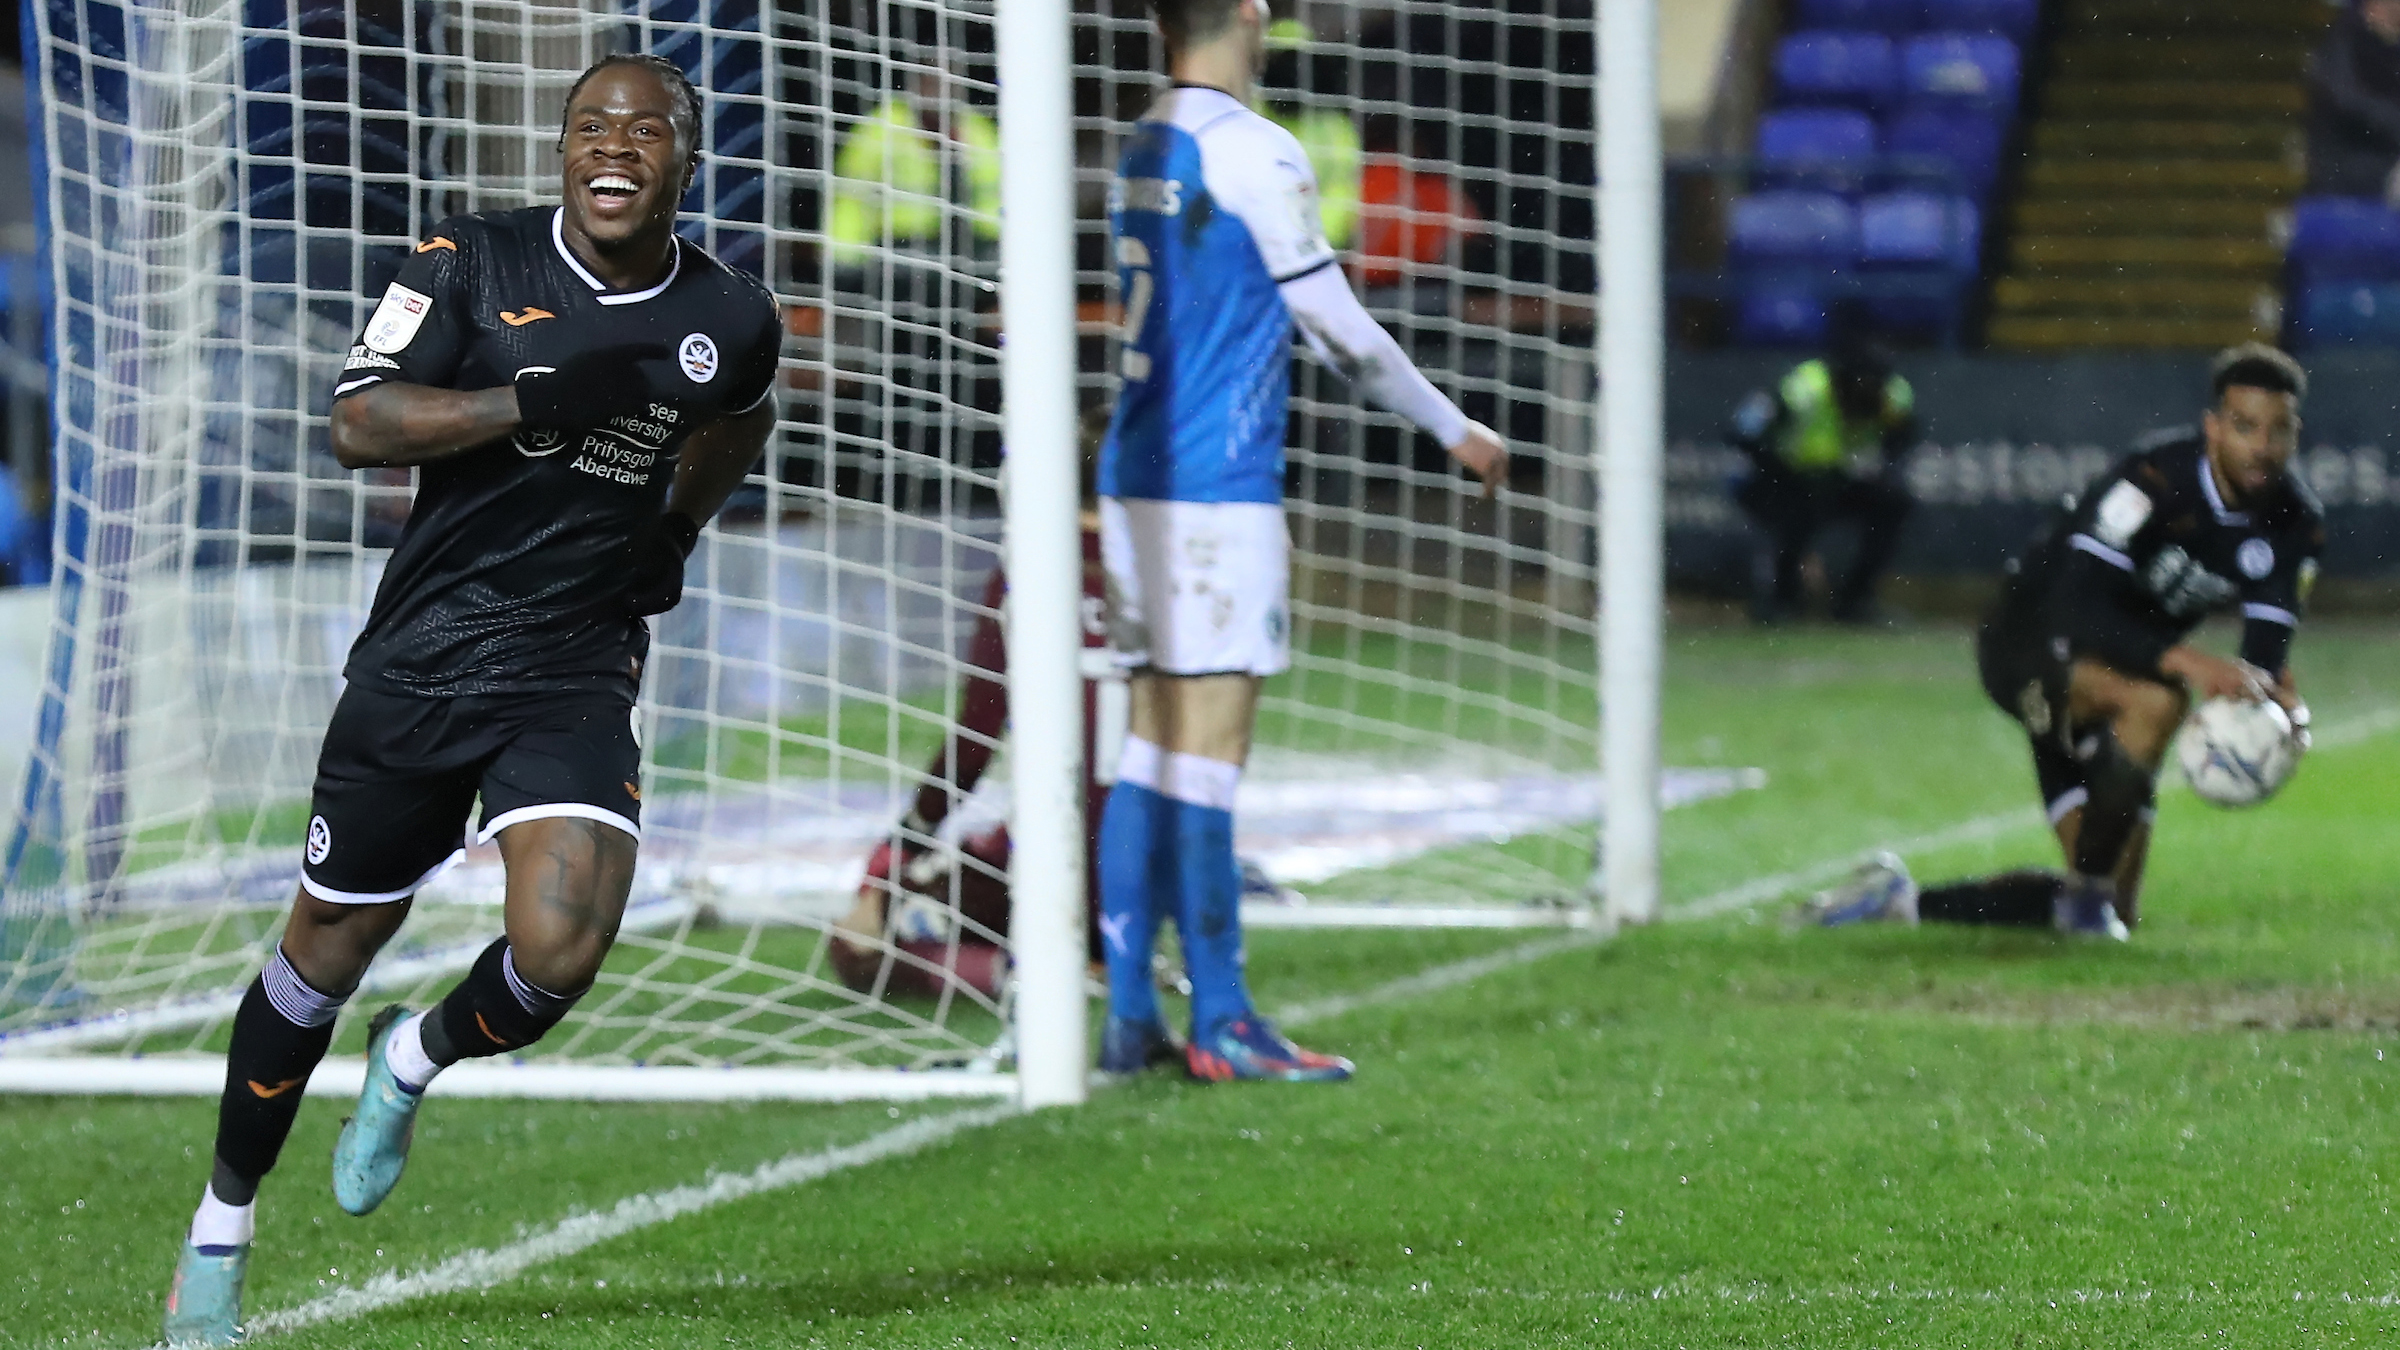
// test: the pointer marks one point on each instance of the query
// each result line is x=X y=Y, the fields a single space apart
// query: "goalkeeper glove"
x=654 y=580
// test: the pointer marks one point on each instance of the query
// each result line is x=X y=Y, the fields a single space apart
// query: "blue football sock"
x=1135 y=840
x=1208 y=913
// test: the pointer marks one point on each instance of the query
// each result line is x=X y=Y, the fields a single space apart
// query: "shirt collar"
x=558 y=240
x=2216 y=502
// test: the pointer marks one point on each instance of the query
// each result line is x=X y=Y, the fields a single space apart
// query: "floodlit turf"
x=1706 y=1134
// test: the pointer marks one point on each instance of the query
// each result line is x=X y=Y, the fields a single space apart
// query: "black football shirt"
x=2151 y=548
x=509 y=575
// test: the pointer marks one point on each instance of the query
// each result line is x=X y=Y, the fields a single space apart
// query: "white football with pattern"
x=2238 y=754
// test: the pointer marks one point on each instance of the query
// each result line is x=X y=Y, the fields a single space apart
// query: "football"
x=2235 y=753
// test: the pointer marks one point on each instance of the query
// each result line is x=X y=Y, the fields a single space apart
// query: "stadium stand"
x=1888 y=137
x=2158 y=166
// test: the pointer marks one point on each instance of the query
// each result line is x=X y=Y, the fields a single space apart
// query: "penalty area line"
x=482 y=1269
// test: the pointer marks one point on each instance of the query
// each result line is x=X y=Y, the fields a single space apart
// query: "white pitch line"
x=481 y=1269
x=1437 y=978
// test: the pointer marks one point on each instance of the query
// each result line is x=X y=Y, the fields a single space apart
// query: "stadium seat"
x=1829 y=148
x=1920 y=230
x=1853 y=70
x=1958 y=148
x=1894 y=18
x=2345 y=239
x=1920 y=251
x=1816 y=229
x=2012 y=19
x=1789 y=250
x=1961 y=70
x=2365 y=312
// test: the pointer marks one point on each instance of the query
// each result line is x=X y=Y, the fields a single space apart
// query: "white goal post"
x=224 y=193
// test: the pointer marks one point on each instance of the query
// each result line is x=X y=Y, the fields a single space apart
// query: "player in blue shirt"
x=1219 y=254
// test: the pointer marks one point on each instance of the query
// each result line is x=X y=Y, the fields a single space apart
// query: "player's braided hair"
x=2255 y=365
x=679 y=85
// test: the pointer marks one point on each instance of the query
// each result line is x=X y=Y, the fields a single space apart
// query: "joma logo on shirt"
x=515 y=318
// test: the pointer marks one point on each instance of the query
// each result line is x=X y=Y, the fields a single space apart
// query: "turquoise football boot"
x=374 y=1145
x=204 y=1305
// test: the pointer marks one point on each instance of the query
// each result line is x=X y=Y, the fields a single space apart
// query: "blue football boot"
x=204 y=1305
x=2088 y=910
x=1128 y=1046
x=1879 y=891
x=1247 y=1047
x=374 y=1144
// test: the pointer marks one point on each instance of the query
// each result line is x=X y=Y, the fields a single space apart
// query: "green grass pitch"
x=1708 y=1133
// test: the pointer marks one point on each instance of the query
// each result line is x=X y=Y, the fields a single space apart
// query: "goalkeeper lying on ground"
x=2088 y=648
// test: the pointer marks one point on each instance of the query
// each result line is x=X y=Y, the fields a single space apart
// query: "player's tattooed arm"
x=716 y=459
x=394 y=425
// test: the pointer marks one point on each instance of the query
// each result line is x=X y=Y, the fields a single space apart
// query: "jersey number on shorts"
x=1134 y=256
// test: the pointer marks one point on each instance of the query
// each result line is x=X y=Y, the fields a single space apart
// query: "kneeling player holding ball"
x=2087 y=648
x=580 y=391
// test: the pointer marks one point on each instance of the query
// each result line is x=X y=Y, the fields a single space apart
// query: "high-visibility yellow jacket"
x=1334 y=152
x=1817 y=438
x=888 y=185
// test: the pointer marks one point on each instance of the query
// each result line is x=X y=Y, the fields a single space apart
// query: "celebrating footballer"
x=579 y=391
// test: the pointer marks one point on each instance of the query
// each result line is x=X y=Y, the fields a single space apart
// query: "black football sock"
x=2122 y=795
x=492 y=1011
x=279 y=1033
x=2009 y=900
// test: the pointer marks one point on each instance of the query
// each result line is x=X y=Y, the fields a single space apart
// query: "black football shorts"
x=2025 y=672
x=398 y=778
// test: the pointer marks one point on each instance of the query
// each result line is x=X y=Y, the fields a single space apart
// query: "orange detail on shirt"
x=436 y=242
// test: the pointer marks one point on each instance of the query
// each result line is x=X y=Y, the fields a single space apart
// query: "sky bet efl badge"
x=397 y=319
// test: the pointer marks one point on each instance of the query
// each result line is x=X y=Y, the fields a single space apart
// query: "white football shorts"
x=1197 y=588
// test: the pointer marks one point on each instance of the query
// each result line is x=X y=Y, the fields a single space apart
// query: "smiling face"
x=2251 y=436
x=626 y=165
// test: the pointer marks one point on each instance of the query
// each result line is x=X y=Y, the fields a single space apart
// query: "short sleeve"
x=418 y=333
x=1258 y=172
x=2274 y=601
x=754 y=373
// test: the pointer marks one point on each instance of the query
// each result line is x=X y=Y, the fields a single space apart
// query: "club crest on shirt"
x=698 y=356
x=397 y=319
x=2256 y=558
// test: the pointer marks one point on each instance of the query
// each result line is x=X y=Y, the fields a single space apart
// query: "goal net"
x=226 y=189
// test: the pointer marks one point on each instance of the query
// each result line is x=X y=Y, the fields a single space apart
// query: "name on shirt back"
x=1159 y=196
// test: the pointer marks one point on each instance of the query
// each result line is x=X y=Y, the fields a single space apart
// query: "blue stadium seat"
x=2363 y=312
x=2343 y=271
x=1855 y=70
x=1894 y=18
x=1963 y=142
x=1920 y=252
x=1814 y=229
x=1961 y=70
x=2344 y=238
x=1789 y=250
x=1830 y=148
x=1782 y=314
x=1920 y=230
x=2013 y=19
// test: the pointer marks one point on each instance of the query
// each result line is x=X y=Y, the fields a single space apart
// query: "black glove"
x=654 y=564
x=590 y=388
